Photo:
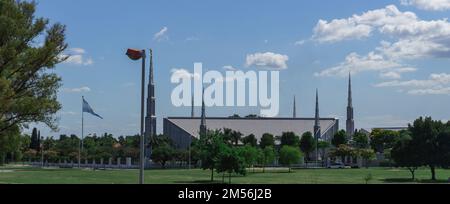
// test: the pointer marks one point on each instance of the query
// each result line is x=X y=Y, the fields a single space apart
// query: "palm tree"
x=236 y=137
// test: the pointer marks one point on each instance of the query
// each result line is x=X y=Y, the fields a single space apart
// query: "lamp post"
x=134 y=54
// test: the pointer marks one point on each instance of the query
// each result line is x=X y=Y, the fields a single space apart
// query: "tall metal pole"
x=142 y=148
x=79 y=142
x=82 y=129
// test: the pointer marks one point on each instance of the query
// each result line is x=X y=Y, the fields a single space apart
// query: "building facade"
x=182 y=130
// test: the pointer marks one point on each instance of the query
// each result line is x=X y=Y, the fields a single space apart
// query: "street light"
x=135 y=54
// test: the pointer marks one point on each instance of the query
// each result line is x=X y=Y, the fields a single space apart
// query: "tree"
x=268 y=157
x=343 y=151
x=267 y=140
x=289 y=139
x=323 y=146
x=289 y=155
x=9 y=145
x=236 y=137
x=250 y=140
x=307 y=144
x=360 y=140
x=162 y=154
x=249 y=154
x=431 y=140
x=210 y=146
x=34 y=140
x=367 y=155
x=28 y=89
x=229 y=161
x=340 y=138
x=383 y=139
x=405 y=155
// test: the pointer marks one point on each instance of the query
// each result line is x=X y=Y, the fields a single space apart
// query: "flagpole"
x=82 y=129
x=79 y=142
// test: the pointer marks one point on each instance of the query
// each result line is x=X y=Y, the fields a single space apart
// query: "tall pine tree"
x=28 y=87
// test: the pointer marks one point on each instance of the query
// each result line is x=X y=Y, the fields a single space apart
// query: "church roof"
x=256 y=126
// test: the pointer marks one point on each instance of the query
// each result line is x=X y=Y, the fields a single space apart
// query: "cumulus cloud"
x=183 y=73
x=355 y=64
x=361 y=26
x=77 y=90
x=77 y=56
x=435 y=84
x=412 y=38
x=162 y=34
x=431 y=5
x=268 y=60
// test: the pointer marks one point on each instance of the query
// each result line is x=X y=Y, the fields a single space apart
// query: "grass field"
x=28 y=175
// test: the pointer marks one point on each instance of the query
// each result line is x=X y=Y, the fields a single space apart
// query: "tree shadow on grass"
x=409 y=180
x=199 y=182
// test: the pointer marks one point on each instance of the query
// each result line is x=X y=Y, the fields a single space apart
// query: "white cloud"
x=78 y=50
x=77 y=56
x=183 y=73
x=432 y=5
x=300 y=42
x=362 y=26
x=162 y=34
x=268 y=60
x=69 y=113
x=412 y=37
x=229 y=68
x=435 y=84
x=77 y=90
x=340 y=29
x=355 y=63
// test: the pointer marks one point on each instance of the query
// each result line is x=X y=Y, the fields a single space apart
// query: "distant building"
x=183 y=129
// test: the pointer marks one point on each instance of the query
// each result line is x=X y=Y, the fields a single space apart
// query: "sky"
x=398 y=52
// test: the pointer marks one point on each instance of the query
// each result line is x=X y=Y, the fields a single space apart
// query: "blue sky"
x=398 y=52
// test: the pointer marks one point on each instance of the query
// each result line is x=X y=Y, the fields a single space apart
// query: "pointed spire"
x=150 y=119
x=203 y=119
x=350 y=100
x=350 y=123
x=295 y=109
x=317 y=131
x=151 y=67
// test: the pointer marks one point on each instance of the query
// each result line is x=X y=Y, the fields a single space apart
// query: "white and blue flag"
x=87 y=109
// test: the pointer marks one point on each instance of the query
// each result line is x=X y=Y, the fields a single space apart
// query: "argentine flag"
x=87 y=109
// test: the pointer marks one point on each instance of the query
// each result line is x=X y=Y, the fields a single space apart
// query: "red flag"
x=134 y=54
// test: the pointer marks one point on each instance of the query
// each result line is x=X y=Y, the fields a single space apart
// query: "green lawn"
x=28 y=175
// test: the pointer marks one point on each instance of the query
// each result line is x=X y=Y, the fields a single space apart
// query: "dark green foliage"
x=229 y=161
x=405 y=155
x=250 y=140
x=163 y=153
x=340 y=138
x=431 y=142
x=28 y=90
x=307 y=144
x=360 y=140
x=383 y=139
x=289 y=139
x=267 y=140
